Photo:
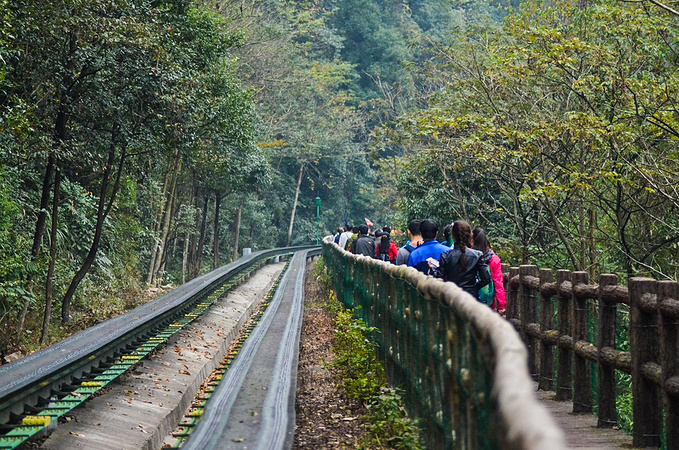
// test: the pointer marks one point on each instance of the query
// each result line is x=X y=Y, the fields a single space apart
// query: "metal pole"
x=318 y=219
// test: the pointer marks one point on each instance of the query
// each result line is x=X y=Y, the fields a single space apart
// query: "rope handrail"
x=464 y=369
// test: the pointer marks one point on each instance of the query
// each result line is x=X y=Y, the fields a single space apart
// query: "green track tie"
x=10 y=442
x=25 y=431
x=190 y=421
x=106 y=379
x=64 y=405
x=88 y=390
x=148 y=347
x=76 y=398
x=52 y=412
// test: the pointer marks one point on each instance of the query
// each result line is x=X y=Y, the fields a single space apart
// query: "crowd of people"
x=465 y=257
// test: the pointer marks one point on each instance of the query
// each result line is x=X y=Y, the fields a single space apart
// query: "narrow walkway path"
x=580 y=430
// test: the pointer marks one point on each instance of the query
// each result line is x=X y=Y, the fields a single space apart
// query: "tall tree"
x=555 y=115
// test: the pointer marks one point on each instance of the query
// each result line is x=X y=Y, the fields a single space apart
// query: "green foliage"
x=623 y=402
x=5 y=36
x=309 y=118
x=112 y=92
x=388 y=423
x=356 y=360
x=322 y=276
x=13 y=247
x=554 y=133
x=364 y=379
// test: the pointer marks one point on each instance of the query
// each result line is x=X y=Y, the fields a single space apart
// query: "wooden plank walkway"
x=580 y=430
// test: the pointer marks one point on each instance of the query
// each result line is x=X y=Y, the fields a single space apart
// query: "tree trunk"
x=53 y=257
x=197 y=260
x=169 y=240
x=562 y=237
x=175 y=244
x=60 y=136
x=185 y=255
x=165 y=227
x=102 y=211
x=39 y=230
x=156 y=229
x=294 y=203
x=44 y=203
x=193 y=237
x=237 y=238
x=592 y=245
x=201 y=238
x=582 y=232
x=215 y=232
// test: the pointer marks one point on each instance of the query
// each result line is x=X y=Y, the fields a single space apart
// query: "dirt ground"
x=326 y=417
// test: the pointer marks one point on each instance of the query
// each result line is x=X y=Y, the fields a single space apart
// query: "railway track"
x=253 y=407
x=38 y=391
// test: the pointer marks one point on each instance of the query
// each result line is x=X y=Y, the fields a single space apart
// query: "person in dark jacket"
x=337 y=236
x=386 y=249
x=364 y=244
x=351 y=239
x=463 y=265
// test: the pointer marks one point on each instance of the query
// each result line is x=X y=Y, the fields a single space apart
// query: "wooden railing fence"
x=652 y=361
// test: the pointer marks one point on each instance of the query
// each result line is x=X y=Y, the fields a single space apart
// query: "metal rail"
x=46 y=384
x=253 y=405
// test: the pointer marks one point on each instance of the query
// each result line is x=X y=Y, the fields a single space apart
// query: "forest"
x=144 y=142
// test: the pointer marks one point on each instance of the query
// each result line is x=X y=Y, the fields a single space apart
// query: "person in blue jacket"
x=426 y=256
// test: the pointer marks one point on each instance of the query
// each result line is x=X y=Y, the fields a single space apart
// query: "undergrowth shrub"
x=322 y=276
x=355 y=361
x=388 y=425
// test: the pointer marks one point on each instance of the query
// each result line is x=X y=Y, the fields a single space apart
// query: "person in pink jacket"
x=480 y=242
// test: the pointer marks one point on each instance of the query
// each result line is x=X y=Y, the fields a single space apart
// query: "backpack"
x=487 y=293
